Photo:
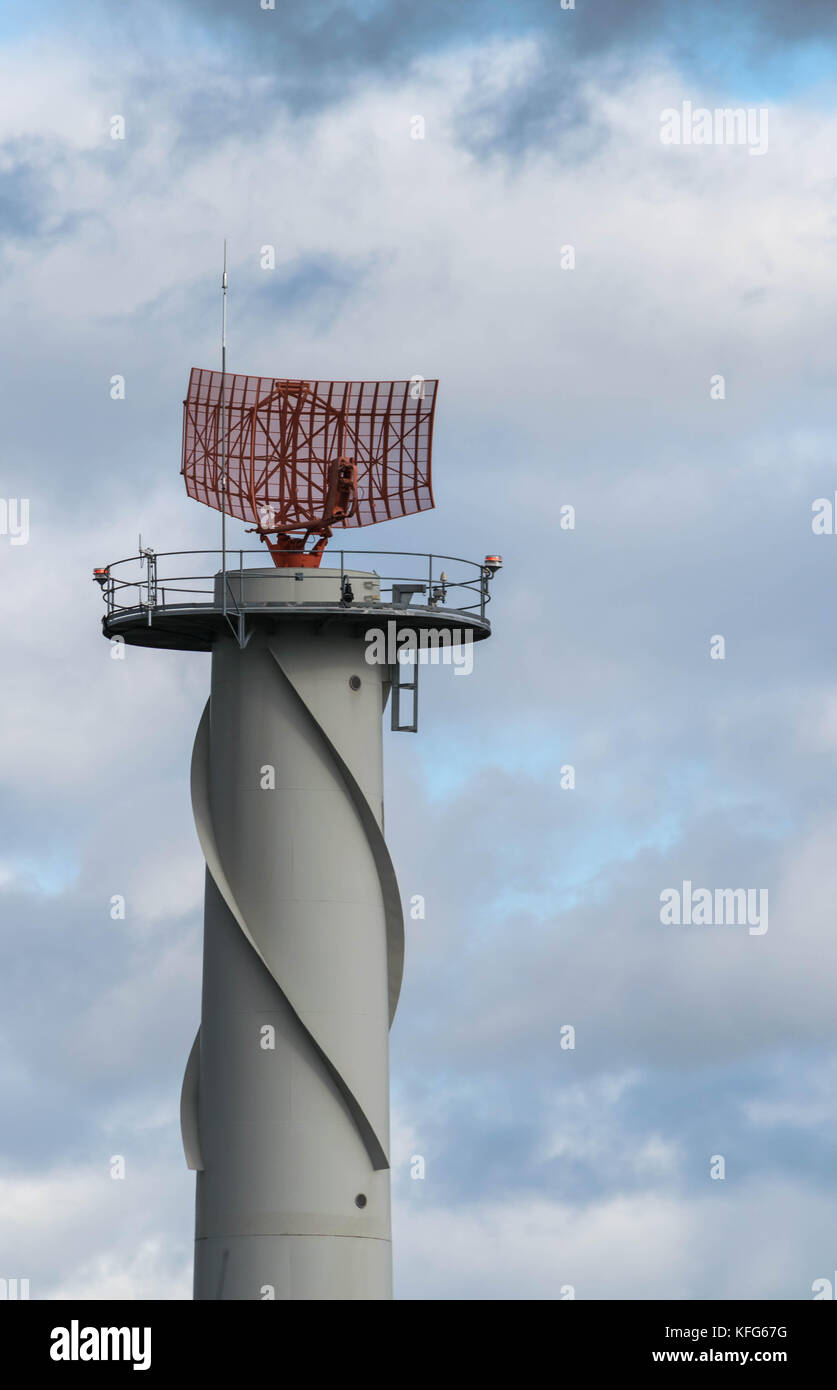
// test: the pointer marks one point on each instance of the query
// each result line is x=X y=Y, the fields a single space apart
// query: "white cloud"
x=78 y=1233
x=643 y=1246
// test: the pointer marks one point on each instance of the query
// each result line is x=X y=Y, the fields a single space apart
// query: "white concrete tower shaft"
x=285 y=1108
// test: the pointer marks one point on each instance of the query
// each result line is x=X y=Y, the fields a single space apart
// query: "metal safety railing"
x=165 y=581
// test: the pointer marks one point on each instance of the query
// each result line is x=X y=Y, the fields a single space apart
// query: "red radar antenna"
x=298 y=458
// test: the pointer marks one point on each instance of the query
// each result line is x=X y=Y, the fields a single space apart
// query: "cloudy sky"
x=595 y=387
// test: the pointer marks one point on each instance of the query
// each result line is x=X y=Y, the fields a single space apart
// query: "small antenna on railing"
x=224 y=428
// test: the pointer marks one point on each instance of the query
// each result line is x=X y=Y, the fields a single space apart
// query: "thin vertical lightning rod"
x=224 y=426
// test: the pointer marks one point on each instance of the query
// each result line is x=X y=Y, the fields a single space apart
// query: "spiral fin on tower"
x=189 y=1129
x=374 y=834
x=201 y=803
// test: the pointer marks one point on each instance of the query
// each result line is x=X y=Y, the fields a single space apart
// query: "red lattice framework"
x=304 y=456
